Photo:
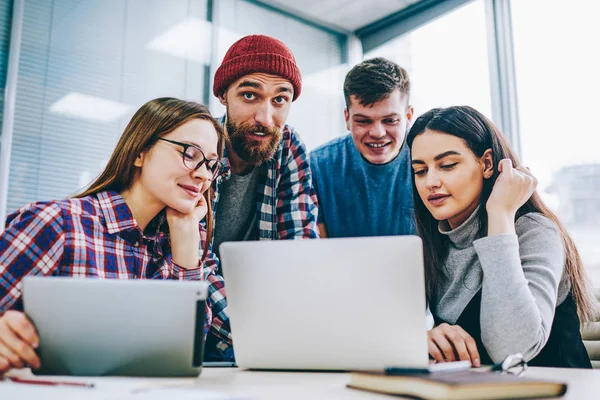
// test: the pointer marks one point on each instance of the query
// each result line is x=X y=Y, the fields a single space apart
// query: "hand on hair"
x=18 y=339
x=185 y=234
x=452 y=343
x=512 y=189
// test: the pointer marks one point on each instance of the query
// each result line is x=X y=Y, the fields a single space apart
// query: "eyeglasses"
x=194 y=158
x=512 y=364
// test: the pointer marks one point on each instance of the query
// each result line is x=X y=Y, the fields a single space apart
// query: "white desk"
x=238 y=384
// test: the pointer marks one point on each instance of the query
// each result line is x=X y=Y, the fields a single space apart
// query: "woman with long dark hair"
x=503 y=276
x=141 y=219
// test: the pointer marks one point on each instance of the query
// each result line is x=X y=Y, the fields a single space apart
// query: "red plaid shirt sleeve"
x=32 y=244
x=95 y=236
x=217 y=302
x=296 y=198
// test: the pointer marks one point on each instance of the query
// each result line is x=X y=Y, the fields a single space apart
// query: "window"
x=5 y=24
x=85 y=67
x=557 y=85
x=446 y=60
x=318 y=114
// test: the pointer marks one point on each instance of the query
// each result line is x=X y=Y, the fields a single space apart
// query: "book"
x=464 y=385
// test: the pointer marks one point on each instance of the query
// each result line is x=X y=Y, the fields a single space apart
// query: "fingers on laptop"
x=18 y=339
x=451 y=343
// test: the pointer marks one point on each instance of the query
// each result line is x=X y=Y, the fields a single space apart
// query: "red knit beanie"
x=257 y=53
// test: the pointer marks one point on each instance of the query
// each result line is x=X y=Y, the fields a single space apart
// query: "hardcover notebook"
x=464 y=385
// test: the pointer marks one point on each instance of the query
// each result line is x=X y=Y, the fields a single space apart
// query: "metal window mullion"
x=10 y=96
x=353 y=51
x=503 y=85
x=215 y=20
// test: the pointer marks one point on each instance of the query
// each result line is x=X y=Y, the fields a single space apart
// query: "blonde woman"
x=139 y=220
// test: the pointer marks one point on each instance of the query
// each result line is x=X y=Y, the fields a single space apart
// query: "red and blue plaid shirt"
x=95 y=236
x=288 y=210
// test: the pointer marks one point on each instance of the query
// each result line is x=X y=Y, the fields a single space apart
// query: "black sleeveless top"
x=564 y=348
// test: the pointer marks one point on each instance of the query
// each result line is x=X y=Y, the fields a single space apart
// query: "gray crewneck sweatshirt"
x=520 y=277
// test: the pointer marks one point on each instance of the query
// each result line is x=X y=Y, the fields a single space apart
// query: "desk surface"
x=232 y=383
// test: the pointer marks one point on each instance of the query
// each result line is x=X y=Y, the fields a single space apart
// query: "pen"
x=48 y=383
x=450 y=366
x=432 y=368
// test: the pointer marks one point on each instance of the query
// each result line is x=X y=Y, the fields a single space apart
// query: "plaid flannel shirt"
x=287 y=207
x=95 y=236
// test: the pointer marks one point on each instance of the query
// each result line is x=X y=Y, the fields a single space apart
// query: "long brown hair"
x=152 y=121
x=480 y=134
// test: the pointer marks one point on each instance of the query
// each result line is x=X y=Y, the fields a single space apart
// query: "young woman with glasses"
x=503 y=276
x=140 y=219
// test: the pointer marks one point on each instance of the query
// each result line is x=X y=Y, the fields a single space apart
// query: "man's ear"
x=410 y=112
x=223 y=99
x=347 y=118
x=487 y=163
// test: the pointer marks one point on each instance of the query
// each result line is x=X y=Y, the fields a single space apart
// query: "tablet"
x=95 y=327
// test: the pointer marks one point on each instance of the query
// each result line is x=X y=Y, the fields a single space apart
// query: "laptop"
x=94 y=327
x=328 y=304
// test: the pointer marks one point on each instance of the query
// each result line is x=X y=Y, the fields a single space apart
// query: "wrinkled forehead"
x=263 y=82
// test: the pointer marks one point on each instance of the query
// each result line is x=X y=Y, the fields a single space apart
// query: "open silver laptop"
x=329 y=304
x=117 y=327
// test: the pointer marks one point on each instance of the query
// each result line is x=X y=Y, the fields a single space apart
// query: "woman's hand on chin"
x=177 y=219
x=185 y=234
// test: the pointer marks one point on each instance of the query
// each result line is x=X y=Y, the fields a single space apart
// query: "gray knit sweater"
x=521 y=279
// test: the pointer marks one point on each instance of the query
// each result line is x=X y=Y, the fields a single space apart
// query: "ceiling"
x=347 y=15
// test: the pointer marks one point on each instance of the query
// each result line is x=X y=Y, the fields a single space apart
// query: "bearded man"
x=268 y=194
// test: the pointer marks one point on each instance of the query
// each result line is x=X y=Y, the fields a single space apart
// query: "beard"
x=254 y=152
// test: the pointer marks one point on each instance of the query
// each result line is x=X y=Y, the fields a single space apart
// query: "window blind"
x=85 y=67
